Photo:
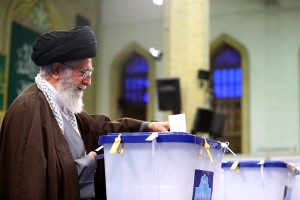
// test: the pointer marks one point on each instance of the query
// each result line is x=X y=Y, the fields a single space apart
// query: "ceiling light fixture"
x=158 y=2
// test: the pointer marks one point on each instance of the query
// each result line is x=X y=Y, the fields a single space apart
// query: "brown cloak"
x=35 y=161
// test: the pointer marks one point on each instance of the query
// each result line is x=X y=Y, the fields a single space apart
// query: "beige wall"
x=187 y=49
x=270 y=34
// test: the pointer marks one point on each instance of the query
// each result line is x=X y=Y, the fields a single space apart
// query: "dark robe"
x=35 y=160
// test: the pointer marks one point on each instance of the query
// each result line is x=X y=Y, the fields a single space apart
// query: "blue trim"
x=140 y=137
x=254 y=164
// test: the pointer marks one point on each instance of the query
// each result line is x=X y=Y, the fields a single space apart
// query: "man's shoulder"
x=28 y=97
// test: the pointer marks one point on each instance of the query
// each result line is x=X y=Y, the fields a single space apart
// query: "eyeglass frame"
x=84 y=73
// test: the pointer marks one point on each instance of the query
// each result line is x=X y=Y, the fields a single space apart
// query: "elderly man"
x=47 y=141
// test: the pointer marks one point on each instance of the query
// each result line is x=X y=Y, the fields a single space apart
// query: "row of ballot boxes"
x=182 y=166
x=258 y=179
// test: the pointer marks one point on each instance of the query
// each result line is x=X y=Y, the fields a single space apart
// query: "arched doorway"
x=132 y=83
x=229 y=86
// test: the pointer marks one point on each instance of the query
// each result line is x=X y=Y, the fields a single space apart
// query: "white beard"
x=69 y=94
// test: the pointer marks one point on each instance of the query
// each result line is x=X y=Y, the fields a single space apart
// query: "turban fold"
x=64 y=46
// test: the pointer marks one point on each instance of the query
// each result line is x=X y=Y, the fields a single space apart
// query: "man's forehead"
x=84 y=65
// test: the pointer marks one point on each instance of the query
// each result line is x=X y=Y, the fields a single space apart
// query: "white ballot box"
x=254 y=179
x=161 y=166
x=292 y=160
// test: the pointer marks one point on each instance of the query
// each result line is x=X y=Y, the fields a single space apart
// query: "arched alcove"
x=116 y=74
x=216 y=46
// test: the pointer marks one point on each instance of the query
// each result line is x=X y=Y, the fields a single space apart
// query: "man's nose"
x=88 y=80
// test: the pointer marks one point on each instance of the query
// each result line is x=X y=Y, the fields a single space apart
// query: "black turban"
x=64 y=45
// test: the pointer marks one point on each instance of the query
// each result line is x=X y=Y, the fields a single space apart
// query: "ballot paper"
x=177 y=123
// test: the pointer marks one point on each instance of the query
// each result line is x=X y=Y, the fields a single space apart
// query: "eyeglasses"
x=83 y=73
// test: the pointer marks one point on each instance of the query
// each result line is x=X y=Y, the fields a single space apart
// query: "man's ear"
x=56 y=69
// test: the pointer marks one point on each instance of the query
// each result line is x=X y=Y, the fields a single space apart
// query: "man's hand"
x=159 y=126
x=93 y=154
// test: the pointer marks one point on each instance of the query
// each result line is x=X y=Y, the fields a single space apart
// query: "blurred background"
x=232 y=66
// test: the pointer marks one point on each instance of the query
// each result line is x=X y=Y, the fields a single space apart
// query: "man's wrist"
x=144 y=127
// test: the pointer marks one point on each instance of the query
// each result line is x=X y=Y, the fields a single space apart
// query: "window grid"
x=227 y=83
x=136 y=81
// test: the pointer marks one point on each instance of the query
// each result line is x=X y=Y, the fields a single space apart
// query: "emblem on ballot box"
x=203 y=185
